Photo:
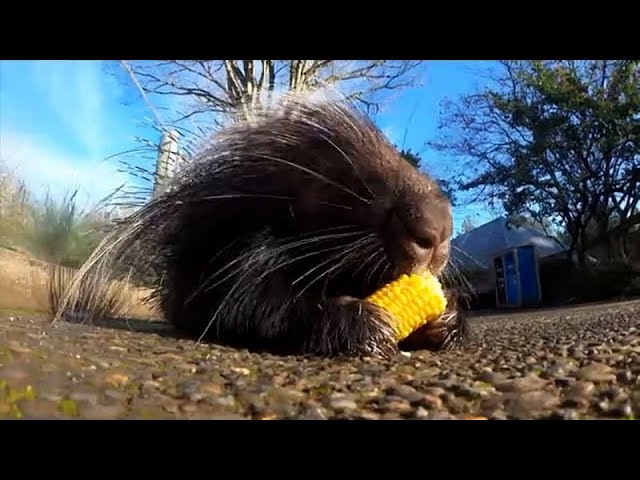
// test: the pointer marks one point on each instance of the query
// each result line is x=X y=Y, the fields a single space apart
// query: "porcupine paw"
x=352 y=327
x=449 y=332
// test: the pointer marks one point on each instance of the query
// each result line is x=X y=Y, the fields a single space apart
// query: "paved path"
x=569 y=363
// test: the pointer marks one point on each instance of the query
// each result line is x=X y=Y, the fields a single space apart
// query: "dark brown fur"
x=274 y=235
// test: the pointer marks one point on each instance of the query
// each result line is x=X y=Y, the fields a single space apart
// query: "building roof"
x=477 y=248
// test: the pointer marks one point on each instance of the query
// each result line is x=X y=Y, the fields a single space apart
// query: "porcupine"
x=276 y=232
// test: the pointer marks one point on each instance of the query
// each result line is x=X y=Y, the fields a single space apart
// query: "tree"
x=557 y=141
x=216 y=90
x=206 y=94
x=413 y=158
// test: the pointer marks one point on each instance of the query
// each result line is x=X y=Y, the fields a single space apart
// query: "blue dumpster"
x=517 y=278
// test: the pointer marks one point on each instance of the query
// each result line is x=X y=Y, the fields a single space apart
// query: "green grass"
x=52 y=229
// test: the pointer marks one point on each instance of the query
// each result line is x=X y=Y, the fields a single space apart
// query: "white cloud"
x=79 y=95
x=80 y=99
x=44 y=166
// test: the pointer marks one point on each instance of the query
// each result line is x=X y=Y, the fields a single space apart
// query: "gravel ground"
x=561 y=364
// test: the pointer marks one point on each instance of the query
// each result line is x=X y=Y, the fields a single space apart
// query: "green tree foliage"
x=413 y=158
x=558 y=142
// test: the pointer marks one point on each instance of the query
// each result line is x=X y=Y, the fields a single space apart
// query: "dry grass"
x=42 y=242
x=30 y=284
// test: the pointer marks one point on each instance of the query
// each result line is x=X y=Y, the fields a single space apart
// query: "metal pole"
x=166 y=162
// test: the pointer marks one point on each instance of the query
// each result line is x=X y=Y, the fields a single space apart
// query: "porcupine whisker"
x=325 y=230
x=318 y=238
x=375 y=267
x=470 y=257
x=228 y=296
x=457 y=276
x=301 y=257
x=346 y=157
x=347 y=252
x=279 y=250
x=346 y=249
x=247 y=264
x=222 y=303
x=384 y=271
x=317 y=175
x=208 y=286
x=376 y=247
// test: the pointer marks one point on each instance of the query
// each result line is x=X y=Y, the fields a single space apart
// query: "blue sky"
x=59 y=120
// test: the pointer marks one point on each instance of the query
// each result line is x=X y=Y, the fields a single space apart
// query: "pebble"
x=434 y=391
x=553 y=372
x=440 y=415
x=529 y=383
x=425 y=376
x=51 y=395
x=149 y=387
x=17 y=348
x=621 y=410
x=582 y=389
x=596 y=372
x=564 y=414
x=88 y=397
x=171 y=408
x=405 y=392
x=564 y=381
x=368 y=415
x=615 y=393
x=39 y=408
x=223 y=416
x=190 y=390
x=468 y=392
x=456 y=405
x=421 y=413
x=16 y=374
x=314 y=413
x=241 y=370
x=189 y=407
x=282 y=394
x=117 y=379
x=116 y=395
x=431 y=402
x=342 y=404
x=528 y=404
x=226 y=401
x=493 y=378
x=498 y=415
x=102 y=412
x=625 y=377
x=399 y=406
x=491 y=403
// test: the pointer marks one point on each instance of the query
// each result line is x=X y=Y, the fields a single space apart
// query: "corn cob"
x=412 y=301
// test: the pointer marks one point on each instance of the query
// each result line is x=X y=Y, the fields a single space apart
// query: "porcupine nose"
x=422 y=231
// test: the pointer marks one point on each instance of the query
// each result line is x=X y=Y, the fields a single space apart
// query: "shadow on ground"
x=156 y=327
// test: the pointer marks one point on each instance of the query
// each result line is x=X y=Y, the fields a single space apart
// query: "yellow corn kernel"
x=412 y=301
